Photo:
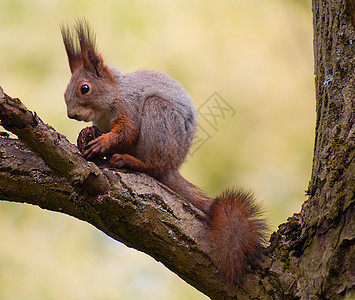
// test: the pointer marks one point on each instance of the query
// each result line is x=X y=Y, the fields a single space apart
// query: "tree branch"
x=135 y=209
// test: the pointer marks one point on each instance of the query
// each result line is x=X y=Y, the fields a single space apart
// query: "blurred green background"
x=257 y=55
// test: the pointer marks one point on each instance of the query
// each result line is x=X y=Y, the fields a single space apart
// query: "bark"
x=328 y=256
x=310 y=257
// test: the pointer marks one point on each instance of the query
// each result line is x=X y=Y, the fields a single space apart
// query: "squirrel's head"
x=92 y=84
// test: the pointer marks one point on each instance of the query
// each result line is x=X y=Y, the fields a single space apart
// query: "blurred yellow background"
x=257 y=55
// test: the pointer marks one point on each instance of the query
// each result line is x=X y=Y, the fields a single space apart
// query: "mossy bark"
x=327 y=262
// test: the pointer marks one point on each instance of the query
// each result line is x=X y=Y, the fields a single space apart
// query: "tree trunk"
x=327 y=267
x=309 y=257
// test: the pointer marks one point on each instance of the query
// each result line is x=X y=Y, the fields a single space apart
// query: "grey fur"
x=166 y=115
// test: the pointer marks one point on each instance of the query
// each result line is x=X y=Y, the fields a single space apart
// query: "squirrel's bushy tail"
x=236 y=232
x=236 y=229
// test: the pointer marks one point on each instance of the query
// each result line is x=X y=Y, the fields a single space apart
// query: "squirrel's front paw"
x=98 y=147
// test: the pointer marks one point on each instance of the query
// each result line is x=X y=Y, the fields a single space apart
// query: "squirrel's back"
x=148 y=83
x=166 y=114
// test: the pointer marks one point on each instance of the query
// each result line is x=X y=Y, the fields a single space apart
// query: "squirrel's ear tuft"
x=91 y=59
x=80 y=46
x=71 y=47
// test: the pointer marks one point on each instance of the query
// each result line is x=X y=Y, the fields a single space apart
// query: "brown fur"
x=148 y=123
x=236 y=223
x=128 y=161
x=71 y=47
x=122 y=137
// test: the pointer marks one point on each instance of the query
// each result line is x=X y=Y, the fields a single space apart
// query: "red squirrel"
x=148 y=123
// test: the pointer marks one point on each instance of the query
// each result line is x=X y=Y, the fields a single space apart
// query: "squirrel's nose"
x=72 y=115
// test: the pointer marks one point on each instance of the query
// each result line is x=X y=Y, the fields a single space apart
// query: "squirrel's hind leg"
x=128 y=161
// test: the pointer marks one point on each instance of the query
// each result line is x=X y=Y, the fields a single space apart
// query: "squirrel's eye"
x=84 y=89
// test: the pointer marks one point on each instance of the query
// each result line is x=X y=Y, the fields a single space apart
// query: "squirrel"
x=148 y=123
